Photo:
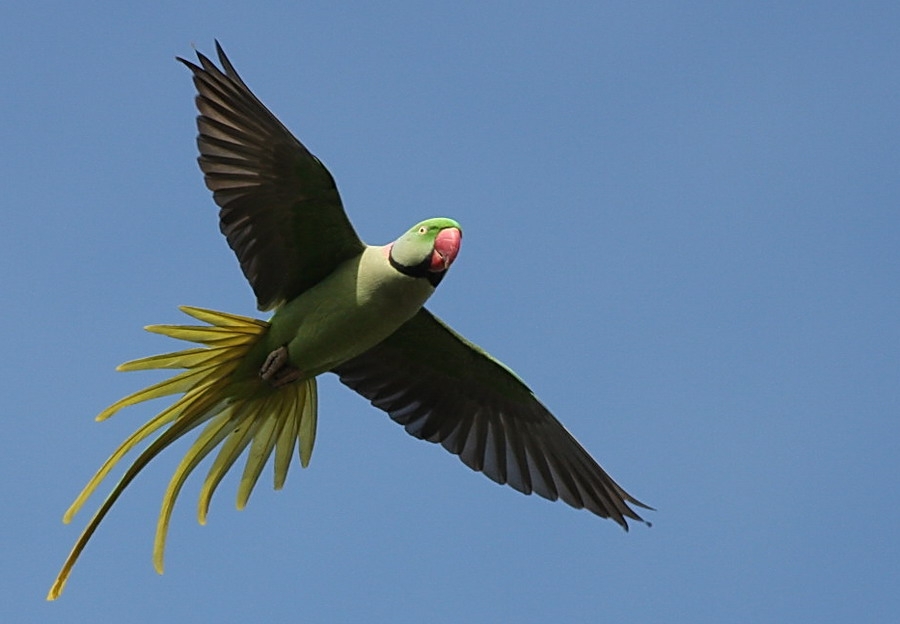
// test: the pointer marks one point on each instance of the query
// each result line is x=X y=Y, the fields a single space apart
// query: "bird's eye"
x=423 y=229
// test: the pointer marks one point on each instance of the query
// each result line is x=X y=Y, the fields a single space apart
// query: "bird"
x=338 y=306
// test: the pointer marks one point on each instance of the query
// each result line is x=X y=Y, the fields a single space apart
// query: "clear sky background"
x=681 y=223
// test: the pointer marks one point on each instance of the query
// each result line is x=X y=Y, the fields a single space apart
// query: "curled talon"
x=275 y=361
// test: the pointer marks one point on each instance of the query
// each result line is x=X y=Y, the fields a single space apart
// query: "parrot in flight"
x=340 y=306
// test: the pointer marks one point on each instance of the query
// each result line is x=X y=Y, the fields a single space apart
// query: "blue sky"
x=682 y=229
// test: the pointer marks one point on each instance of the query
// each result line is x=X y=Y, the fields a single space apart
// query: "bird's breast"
x=360 y=304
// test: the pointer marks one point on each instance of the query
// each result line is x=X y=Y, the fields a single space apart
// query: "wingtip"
x=634 y=516
x=190 y=65
x=227 y=67
x=639 y=519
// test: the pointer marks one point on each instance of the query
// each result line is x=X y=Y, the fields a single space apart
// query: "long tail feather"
x=260 y=448
x=286 y=441
x=236 y=417
x=308 y=420
x=211 y=436
x=231 y=449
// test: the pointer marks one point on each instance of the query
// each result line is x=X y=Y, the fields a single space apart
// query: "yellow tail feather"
x=266 y=420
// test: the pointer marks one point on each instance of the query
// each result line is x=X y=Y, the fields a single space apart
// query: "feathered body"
x=363 y=302
x=340 y=306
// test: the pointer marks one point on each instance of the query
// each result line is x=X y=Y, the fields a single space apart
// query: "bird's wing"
x=443 y=388
x=280 y=209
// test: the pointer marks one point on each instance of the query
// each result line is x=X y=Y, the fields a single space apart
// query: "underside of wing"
x=280 y=208
x=446 y=390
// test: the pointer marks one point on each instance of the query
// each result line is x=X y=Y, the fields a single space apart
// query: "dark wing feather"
x=280 y=209
x=444 y=389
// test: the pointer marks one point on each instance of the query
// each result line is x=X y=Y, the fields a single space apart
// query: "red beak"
x=446 y=246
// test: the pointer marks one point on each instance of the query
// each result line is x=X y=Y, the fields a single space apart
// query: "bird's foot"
x=277 y=369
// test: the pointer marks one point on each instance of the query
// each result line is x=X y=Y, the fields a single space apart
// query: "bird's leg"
x=277 y=369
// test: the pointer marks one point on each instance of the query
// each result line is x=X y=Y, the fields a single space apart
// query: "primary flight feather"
x=340 y=306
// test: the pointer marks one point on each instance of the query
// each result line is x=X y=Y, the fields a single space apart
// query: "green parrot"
x=340 y=306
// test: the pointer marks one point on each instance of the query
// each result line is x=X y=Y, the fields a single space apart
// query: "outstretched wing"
x=280 y=209
x=442 y=388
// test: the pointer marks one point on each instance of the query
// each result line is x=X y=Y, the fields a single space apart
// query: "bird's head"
x=427 y=249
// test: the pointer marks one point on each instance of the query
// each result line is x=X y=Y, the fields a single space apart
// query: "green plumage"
x=340 y=306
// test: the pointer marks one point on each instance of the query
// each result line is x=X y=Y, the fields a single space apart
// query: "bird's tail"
x=263 y=418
